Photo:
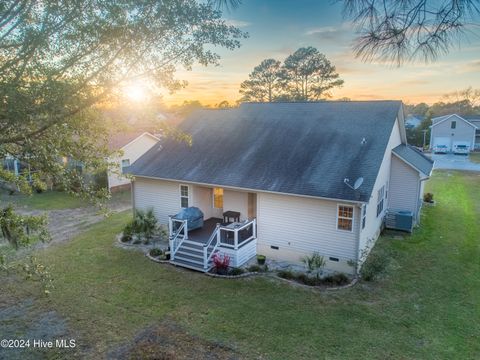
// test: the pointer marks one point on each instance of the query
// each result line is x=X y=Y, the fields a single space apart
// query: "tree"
x=403 y=30
x=308 y=75
x=263 y=83
x=59 y=60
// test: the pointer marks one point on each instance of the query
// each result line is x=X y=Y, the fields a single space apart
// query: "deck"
x=203 y=234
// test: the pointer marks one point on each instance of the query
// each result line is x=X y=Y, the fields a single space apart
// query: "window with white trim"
x=386 y=191
x=345 y=217
x=125 y=163
x=364 y=215
x=380 y=200
x=184 y=194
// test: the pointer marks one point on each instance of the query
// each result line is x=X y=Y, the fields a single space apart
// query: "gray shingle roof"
x=414 y=158
x=296 y=148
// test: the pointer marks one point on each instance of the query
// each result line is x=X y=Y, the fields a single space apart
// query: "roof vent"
x=364 y=141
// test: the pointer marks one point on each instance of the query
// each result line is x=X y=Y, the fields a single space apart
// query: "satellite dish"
x=356 y=185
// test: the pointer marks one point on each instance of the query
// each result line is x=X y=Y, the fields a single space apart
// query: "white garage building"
x=452 y=130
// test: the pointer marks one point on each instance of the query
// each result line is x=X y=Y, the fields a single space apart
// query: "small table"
x=227 y=215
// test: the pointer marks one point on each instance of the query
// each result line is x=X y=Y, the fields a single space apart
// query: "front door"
x=217 y=203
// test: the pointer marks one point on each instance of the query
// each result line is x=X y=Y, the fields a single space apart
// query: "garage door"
x=442 y=141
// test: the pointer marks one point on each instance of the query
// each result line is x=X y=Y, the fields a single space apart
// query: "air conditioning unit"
x=399 y=220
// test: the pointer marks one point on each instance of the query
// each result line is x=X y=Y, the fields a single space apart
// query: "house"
x=453 y=130
x=283 y=180
x=413 y=121
x=131 y=145
x=475 y=120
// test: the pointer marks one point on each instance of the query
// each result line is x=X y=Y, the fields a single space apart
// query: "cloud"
x=470 y=67
x=237 y=23
x=331 y=33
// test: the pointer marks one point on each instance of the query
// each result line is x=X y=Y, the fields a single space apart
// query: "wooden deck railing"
x=235 y=237
x=178 y=231
x=211 y=246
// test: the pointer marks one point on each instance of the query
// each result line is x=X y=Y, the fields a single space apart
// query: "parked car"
x=440 y=149
x=461 y=149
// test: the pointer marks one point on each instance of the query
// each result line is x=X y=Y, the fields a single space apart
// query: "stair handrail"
x=215 y=236
x=174 y=237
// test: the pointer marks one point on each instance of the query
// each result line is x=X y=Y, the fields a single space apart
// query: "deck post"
x=170 y=226
x=185 y=230
x=235 y=239
x=254 y=230
x=205 y=261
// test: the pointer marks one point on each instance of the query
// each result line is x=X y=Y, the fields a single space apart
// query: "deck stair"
x=190 y=255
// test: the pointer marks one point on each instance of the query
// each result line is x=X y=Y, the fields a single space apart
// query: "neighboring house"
x=413 y=121
x=453 y=130
x=292 y=173
x=132 y=146
x=475 y=120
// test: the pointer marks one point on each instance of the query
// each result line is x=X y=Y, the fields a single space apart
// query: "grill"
x=193 y=215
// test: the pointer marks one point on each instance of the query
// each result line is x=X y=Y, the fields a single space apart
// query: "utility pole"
x=424 y=138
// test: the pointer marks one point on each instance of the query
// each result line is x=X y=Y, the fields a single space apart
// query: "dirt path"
x=68 y=223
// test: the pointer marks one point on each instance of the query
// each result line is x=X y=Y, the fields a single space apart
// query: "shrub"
x=143 y=225
x=308 y=280
x=221 y=263
x=236 y=271
x=375 y=265
x=336 y=279
x=286 y=274
x=428 y=197
x=316 y=262
x=125 y=238
x=156 y=252
x=254 y=268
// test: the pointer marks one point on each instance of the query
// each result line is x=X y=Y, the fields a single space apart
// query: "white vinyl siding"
x=300 y=226
x=404 y=186
x=131 y=152
x=162 y=196
x=370 y=233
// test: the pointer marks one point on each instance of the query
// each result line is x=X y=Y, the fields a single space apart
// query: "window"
x=380 y=199
x=218 y=198
x=125 y=163
x=184 y=190
x=364 y=215
x=453 y=125
x=345 y=218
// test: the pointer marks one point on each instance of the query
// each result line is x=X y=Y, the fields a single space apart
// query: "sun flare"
x=137 y=92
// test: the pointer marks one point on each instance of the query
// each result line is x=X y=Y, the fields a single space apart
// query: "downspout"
x=357 y=250
x=417 y=215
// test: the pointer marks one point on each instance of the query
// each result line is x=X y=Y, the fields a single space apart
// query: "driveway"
x=454 y=162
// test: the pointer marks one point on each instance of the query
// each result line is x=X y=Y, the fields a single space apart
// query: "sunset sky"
x=279 y=27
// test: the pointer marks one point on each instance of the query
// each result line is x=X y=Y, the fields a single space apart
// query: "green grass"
x=426 y=307
x=475 y=157
x=54 y=200
x=48 y=200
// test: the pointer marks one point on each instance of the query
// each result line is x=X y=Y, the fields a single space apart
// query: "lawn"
x=426 y=307
x=52 y=200
x=475 y=157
